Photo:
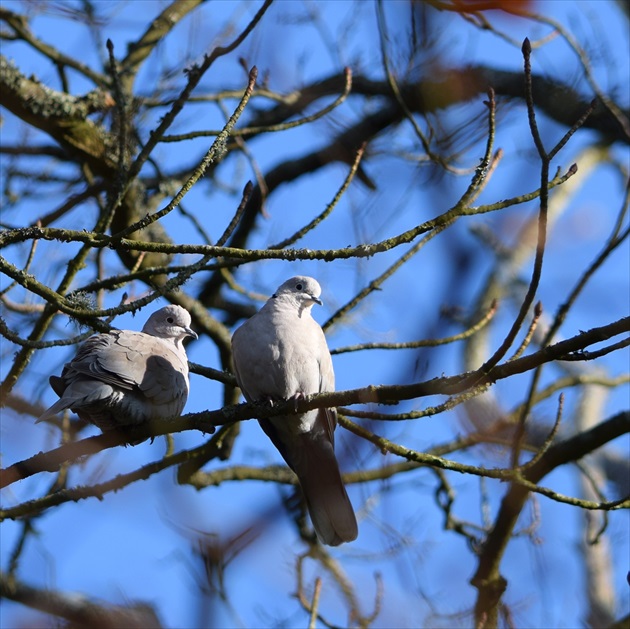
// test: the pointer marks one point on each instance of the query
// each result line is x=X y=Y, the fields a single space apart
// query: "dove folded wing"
x=109 y=358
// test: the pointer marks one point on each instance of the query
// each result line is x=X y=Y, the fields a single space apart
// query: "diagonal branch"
x=487 y=578
x=159 y=28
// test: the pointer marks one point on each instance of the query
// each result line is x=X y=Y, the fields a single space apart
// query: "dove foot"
x=300 y=395
x=267 y=400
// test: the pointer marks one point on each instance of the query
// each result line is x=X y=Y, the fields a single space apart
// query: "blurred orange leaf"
x=475 y=6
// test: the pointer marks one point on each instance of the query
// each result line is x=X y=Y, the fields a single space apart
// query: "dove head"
x=171 y=322
x=301 y=290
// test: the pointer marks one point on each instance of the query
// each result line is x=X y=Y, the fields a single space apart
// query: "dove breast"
x=281 y=357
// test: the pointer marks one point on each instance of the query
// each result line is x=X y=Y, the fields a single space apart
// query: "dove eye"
x=169 y=319
x=299 y=286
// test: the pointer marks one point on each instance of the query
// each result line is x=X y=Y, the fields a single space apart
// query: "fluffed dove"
x=126 y=378
x=281 y=353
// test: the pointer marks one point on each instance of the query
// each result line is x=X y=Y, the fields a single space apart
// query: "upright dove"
x=281 y=353
x=126 y=378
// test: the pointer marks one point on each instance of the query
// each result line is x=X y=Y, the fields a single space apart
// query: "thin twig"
x=215 y=152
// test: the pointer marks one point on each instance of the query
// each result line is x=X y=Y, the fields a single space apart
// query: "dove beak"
x=317 y=300
x=190 y=332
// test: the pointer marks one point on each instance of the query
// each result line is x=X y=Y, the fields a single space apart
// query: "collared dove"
x=281 y=353
x=126 y=378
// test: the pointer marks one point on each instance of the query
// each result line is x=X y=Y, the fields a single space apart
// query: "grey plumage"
x=125 y=378
x=281 y=353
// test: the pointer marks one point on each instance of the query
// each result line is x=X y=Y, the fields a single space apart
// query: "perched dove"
x=281 y=353
x=125 y=378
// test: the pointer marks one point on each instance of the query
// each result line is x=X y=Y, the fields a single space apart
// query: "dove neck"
x=169 y=340
x=288 y=304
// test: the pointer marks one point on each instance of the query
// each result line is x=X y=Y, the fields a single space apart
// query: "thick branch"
x=487 y=579
x=206 y=421
x=61 y=116
x=557 y=100
x=80 y=611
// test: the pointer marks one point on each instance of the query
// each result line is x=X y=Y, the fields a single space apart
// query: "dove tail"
x=326 y=497
x=76 y=395
x=57 y=407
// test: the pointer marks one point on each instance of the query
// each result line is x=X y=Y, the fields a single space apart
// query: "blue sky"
x=130 y=546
